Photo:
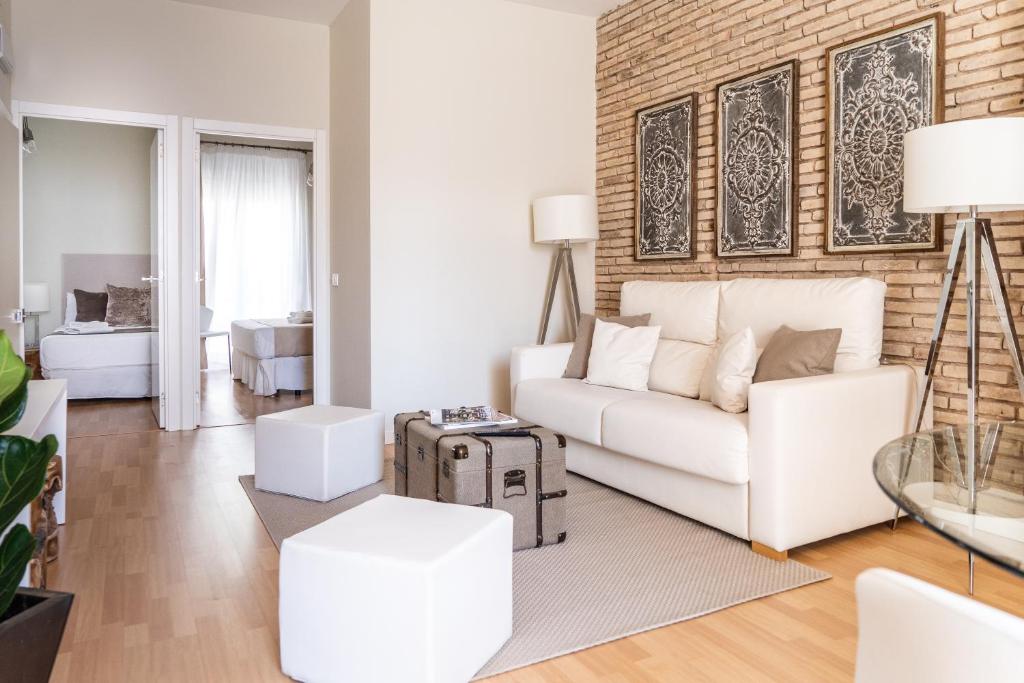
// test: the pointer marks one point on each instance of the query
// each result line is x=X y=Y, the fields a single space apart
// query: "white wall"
x=5 y=79
x=470 y=120
x=165 y=57
x=86 y=191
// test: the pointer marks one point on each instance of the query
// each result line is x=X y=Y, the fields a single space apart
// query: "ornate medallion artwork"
x=880 y=87
x=665 y=179
x=756 y=172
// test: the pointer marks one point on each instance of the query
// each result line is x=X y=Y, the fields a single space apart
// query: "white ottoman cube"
x=319 y=452
x=396 y=590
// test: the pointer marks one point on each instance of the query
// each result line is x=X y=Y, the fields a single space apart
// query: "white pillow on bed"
x=70 y=309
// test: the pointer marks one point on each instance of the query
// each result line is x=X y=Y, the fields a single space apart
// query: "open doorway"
x=93 y=213
x=256 y=277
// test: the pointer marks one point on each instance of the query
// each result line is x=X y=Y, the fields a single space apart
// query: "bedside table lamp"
x=563 y=220
x=37 y=300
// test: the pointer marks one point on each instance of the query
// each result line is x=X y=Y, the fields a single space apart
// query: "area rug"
x=626 y=566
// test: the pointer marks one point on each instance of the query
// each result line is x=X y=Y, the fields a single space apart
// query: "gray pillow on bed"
x=90 y=306
x=128 y=307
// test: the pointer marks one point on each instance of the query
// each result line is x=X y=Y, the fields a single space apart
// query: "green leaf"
x=13 y=407
x=15 y=553
x=23 y=465
x=14 y=376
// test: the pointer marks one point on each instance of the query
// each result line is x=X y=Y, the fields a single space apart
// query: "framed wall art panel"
x=880 y=87
x=666 y=190
x=756 y=163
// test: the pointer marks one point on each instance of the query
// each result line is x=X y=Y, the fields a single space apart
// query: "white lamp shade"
x=37 y=297
x=952 y=166
x=564 y=217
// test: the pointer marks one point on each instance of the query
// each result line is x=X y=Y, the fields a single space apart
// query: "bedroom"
x=91 y=193
x=86 y=178
x=256 y=278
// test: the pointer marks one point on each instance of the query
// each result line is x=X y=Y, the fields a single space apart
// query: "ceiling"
x=324 y=11
x=312 y=11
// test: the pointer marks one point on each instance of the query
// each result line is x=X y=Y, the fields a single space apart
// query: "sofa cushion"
x=682 y=433
x=570 y=406
x=576 y=367
x=677 y=367
x=794 y=353
x=687 y=311
x=856 y=305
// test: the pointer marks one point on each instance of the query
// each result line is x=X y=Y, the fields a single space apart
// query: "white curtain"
x=256 y=232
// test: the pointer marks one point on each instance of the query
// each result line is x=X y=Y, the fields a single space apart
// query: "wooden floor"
x=175 y=579
x=224 y=401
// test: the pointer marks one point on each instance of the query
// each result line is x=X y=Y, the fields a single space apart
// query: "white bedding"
x=91 y=351
x=265 y=376
x=99 y=365
x=131 y=381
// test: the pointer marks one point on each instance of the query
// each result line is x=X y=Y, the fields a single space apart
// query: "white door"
x=10 y=233
x=156 y=274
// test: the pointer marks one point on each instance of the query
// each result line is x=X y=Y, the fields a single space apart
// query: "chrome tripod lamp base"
x=968 y=167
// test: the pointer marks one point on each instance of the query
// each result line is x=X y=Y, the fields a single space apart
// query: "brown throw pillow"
x=791 y=353
x=576 y=368
x=90 y=306
x=128 y=307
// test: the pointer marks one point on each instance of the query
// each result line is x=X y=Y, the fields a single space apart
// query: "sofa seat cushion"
x=571 y=406
x=681 y=433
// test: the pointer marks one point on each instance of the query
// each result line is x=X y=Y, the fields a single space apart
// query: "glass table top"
x=976 y=502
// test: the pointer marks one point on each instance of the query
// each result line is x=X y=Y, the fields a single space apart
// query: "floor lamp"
x=563 y=220
x=970 y=167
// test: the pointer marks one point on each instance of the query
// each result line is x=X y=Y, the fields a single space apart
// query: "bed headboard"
x=93 y=272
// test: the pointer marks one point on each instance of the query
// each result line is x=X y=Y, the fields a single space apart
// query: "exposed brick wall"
x=653 y=50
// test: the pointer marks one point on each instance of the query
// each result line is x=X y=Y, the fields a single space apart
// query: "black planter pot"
x=30 y=633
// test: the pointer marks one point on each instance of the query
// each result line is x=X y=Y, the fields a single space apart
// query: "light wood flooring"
x=175 y=579
x=224 y=401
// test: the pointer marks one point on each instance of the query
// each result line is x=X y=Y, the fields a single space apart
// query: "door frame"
x=191 y=130
x=169 y=255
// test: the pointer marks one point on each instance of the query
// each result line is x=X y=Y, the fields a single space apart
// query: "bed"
x=268 y=355
x=117 y=364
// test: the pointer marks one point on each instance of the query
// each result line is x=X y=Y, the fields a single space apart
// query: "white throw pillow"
x=70 y=309
x=734 y=370
x=620 y=356
x=678 y=366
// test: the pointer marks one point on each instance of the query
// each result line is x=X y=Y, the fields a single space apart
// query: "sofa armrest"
x=531 y=362
x=812 y=444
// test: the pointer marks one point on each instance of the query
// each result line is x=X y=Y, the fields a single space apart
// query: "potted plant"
x=31 y=620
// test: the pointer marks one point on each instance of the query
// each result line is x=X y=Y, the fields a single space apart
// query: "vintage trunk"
x=522 y=474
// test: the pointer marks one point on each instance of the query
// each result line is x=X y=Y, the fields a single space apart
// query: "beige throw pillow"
x=791 y=353
x=620 y=356
x=734 y=370
x=576 y=368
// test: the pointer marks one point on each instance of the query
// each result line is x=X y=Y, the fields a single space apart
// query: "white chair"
x=396 y=590
x=913 y=631
x=205 y=319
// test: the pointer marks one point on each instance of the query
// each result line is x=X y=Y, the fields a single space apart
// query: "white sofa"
x=794 y=469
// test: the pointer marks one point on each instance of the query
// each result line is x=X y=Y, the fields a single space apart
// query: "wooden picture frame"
x=666 y=180
x=878 y=87
x=756 y=153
